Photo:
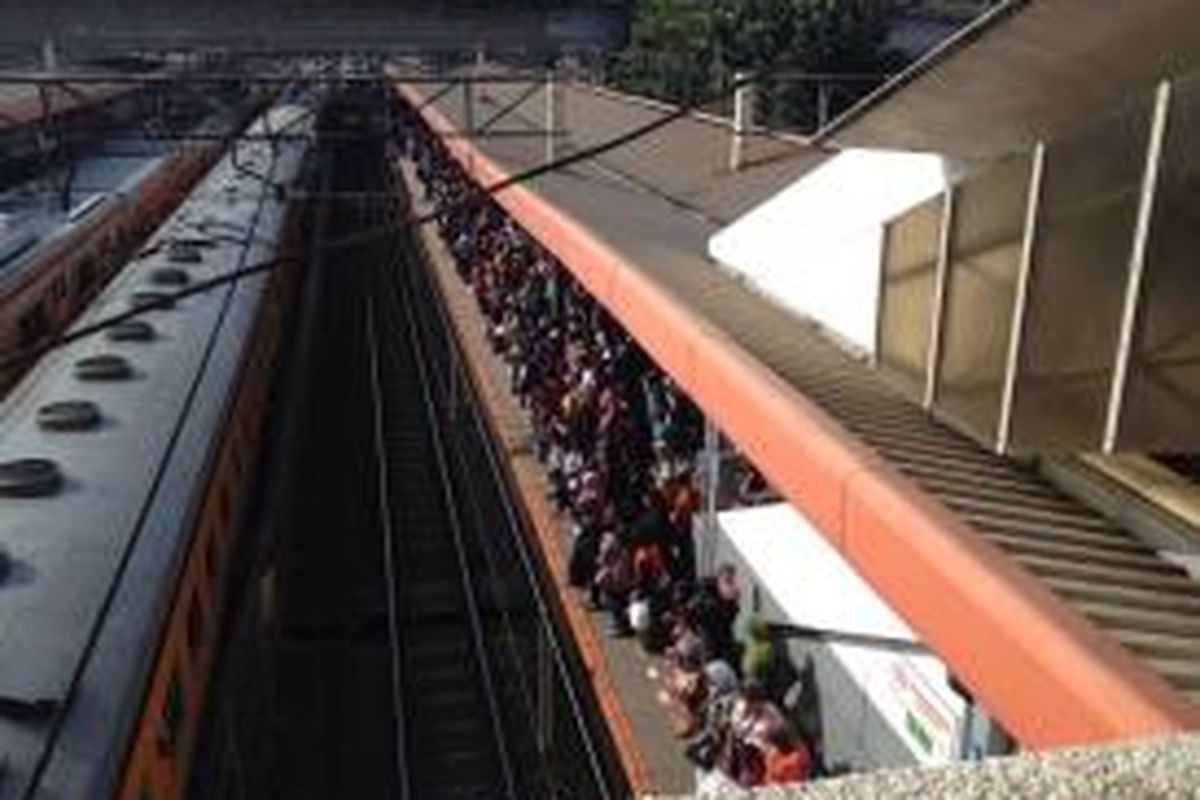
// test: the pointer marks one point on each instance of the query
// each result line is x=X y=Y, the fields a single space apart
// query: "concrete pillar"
x=554 y=114
x=743 y=118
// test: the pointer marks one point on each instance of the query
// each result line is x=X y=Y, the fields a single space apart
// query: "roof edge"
x=964 y=37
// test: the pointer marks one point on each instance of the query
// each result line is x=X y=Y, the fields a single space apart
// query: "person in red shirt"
x=788 y=760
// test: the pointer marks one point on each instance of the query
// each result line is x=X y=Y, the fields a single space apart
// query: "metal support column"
x=1137 y=268
x=49 y=56
x=1016 y=331
x=823 y=104
x=552 y=120
x=468 y=125
x=706 y=531
x=44 y=138
x=743 y=119
x=881 y=272
x=468 y=107
x=937 y=311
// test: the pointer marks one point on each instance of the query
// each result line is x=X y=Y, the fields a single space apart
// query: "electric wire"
x=25 y=355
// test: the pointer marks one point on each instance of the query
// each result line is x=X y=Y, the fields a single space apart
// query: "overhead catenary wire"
x=26 y=355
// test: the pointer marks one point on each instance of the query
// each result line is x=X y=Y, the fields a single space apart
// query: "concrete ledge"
x=1165 y=768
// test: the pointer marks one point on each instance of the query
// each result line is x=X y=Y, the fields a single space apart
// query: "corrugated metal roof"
x=1027 y=70
x=685 y=164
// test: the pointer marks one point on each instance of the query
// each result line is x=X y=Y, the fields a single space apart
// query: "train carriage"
x=45 y=282
x=118 y=531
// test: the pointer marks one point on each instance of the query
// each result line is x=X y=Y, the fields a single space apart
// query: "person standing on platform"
x=716 y=603
x=788 y=760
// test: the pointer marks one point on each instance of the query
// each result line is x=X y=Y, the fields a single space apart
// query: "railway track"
x=448 y=705
x=415 y=626
x=331 y=715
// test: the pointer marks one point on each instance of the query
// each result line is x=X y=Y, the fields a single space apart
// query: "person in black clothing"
x=716 y=606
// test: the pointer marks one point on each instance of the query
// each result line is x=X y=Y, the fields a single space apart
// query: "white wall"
x=815 y=246
x=808 y=583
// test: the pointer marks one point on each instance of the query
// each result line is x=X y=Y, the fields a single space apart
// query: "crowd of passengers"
x=619 y=442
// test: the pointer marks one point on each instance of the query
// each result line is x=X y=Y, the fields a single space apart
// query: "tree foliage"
x=670 y=53
x=687 y=50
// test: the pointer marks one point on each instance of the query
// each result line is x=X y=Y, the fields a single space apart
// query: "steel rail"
x=457 y=539
x=530 y=570
x=489 y=554
x=528 y=696
x=389 y=555
x=545 y=615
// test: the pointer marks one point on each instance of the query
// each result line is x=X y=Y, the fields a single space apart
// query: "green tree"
x=684 y=50
x=670 y=51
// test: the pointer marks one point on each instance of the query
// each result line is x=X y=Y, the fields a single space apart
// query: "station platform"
x=651 y=756
x=1067 y=628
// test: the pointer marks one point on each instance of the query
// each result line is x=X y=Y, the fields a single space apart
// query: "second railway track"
x=422 y=657
x=447 y=706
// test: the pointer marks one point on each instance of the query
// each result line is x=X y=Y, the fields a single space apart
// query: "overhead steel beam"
x=267 y=76
x=81 y=27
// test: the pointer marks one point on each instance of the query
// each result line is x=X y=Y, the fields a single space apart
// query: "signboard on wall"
x=910 y=693
x=918 y=706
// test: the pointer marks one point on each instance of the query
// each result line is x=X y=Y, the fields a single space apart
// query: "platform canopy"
x=86 y=27
x=1029 y=70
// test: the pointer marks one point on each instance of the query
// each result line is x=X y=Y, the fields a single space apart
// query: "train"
x=34 y=118
x=44 y=282
x=125 y=465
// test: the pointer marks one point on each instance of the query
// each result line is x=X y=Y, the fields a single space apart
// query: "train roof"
x=92 y=567
x=30 y=211
x=22 y=103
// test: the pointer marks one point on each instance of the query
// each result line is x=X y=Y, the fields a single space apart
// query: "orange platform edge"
x=1040 y=668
